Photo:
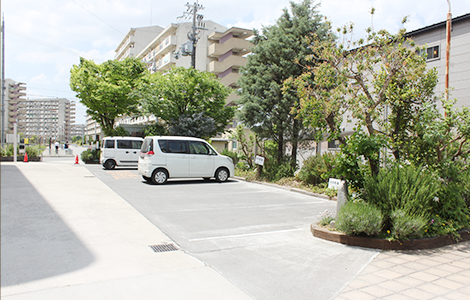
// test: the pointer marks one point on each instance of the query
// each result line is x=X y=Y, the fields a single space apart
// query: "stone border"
x=376 y=243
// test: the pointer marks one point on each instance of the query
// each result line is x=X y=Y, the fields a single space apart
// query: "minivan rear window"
x=147 y=146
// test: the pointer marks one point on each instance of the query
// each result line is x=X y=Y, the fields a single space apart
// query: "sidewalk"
x=66 y=235
x=442 y=273
x=61 y=152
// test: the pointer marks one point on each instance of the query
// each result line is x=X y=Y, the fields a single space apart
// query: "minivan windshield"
x=147 y=146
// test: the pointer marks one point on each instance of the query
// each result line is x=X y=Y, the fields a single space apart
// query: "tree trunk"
x=280 y=147
x=295 y=142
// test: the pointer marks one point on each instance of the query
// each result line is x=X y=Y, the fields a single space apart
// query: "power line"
x=44 y=43
x=97 y=17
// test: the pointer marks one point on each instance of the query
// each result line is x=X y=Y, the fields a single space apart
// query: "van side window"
x=162 y=144
x=177 y=147
x=124 y=144
x=109 y=144
x=198 y=148
x=136 y=144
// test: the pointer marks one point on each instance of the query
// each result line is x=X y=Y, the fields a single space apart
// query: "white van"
x=120 y=151
x=163 y=157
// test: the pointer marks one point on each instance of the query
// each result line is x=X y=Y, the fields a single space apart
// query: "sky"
x=44 y=39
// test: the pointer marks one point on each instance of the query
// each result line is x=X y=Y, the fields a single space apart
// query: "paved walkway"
x=442 y=273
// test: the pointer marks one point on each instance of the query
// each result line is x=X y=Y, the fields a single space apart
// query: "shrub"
x=318 y=169
x=34 y=151
x=408 y=188
x=406 y=226
x=8 y=150
x=312 y=169
x=357 y=218
x=235 y=156
x=90 y=154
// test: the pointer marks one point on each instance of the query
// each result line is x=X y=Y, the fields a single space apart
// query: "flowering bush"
x=325 y=218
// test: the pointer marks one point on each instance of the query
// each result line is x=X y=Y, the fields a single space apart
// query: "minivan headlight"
x=230 y=160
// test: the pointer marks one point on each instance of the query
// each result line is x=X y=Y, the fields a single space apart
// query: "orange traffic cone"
x=25 y=157
x=76 y=160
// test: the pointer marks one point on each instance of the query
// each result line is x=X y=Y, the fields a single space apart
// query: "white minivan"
x=163 y=157
x=120 y=151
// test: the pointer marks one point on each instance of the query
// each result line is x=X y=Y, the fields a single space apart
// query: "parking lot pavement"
x=256 y=236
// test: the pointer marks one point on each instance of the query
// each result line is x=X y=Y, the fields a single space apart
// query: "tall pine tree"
x=279 y=53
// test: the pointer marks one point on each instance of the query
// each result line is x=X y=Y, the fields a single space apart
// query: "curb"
x=291 y=189
x=376 y=243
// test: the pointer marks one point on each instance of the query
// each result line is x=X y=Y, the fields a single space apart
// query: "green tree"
x=280 y=51
x=188 y=94
x=104 y=88
x=380 y=84
x=196 y=125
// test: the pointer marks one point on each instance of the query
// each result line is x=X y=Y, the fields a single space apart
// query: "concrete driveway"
x=256 y=236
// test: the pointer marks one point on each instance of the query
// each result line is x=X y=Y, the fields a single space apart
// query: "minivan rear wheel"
x=221 y=175
x=109 y=164
x=159 y=176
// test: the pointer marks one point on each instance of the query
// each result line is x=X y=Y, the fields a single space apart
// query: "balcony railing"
x=231 y=61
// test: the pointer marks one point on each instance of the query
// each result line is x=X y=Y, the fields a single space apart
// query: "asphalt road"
x=256 y=236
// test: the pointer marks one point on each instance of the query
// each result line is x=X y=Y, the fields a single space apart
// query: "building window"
x=333 y=144
x=234 y=145
x=433 y=52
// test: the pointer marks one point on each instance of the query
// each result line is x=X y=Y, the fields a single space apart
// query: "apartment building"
x=49 y=118
x=13 y=94
x=434 y=38
x=227 y=54
x=219 y=50
x=77 y=130
x=136 y=40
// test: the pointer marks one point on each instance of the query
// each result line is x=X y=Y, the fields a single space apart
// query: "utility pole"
x=448 y=31
x=3 y=82
x=189 y=47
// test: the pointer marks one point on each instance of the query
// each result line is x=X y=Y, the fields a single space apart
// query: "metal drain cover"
x=163 y=248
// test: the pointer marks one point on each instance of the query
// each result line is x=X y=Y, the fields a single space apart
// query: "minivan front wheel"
x=159 y=176
x=221 y=175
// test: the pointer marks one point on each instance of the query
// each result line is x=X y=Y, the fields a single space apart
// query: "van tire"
x=109 y=164
x=222 y=175
x=159 y=176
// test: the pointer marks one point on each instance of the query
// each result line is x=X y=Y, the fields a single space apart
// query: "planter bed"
x=92 y=162
x=376 y=243
x=21 y=158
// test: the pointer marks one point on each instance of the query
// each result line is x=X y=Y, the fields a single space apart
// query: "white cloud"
x=40 y=79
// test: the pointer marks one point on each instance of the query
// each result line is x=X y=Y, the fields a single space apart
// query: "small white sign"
x=333 y=183
x=259 y=160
